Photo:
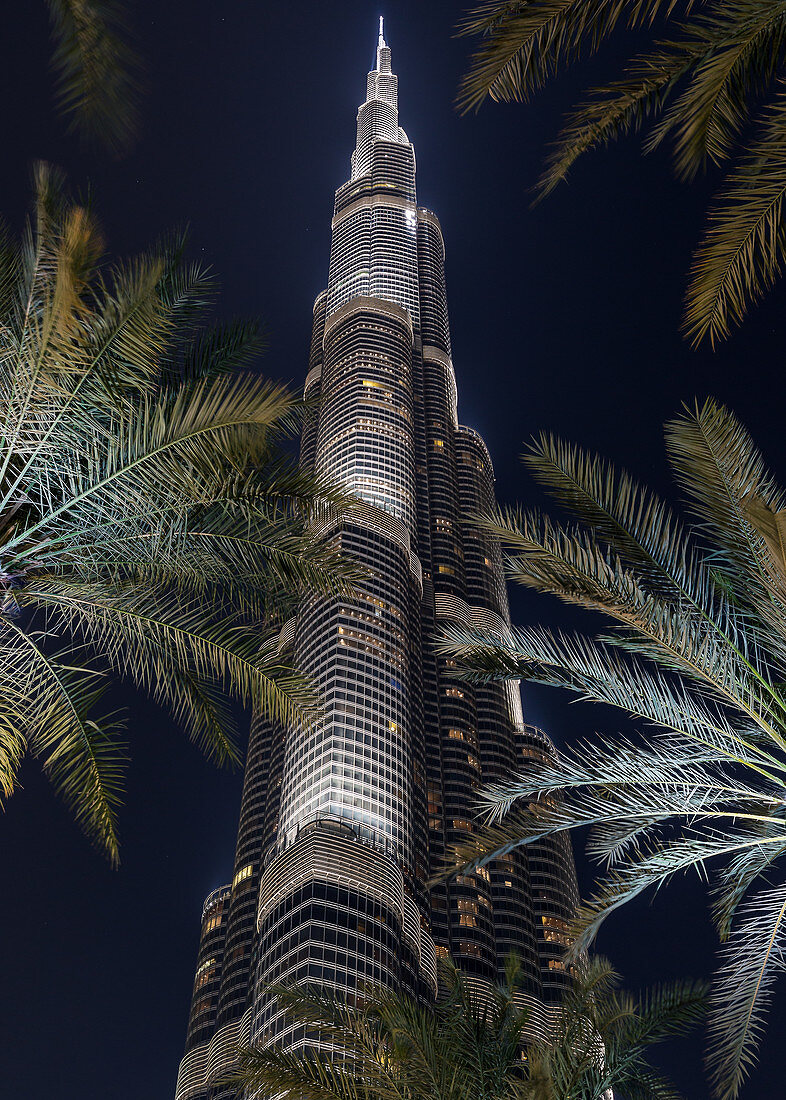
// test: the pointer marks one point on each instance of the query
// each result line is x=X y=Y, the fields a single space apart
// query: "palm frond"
x=665 y=1011
x=742 y=993
x=762 y=846
x=231 y=346
x=150 y=514
x=595 y=672
x=295 y=1074
x=741 y=254
x=386 y=1046
x=699 y=653
x=617 y=110
x=652 y=869
x=523 y=43
x=81 y=754
x=98 y=70
x=571 y=564
x=635 y=523
x=145 y=635
x=256 y=558
x=357 y=1062
x=720 y=469
x=734 y=53
x=188 y=443
x=17 y=678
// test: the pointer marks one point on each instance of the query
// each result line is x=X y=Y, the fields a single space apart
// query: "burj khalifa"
x=344 y=823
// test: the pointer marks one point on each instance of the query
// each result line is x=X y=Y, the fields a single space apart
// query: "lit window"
x=243 y=873
x=469 y=949
x=446 y=569
x=438 y=442
x=204 y=973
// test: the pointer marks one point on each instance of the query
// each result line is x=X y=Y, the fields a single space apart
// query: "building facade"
x=343 y=824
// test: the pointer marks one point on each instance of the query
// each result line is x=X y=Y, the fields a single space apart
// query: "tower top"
x=383 y=52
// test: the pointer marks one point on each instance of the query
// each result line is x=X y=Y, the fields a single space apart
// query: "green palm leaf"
x=524 y=42
x=98 y=71
x=151 y=517
x=752 y=958
x=471 y=1047
x=697 y=652
x=617 y=110
x=734 y=56
x=741 y=253
x=705 y=89
x=82 y=756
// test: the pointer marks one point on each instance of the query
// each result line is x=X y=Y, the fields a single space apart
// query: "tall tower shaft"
x=343 y=823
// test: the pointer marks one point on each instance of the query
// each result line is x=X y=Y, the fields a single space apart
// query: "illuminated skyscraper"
x=341 y=826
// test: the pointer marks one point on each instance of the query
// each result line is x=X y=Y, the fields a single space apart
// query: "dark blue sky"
x=564 y=318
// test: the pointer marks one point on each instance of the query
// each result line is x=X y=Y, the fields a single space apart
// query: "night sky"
x=564 y=318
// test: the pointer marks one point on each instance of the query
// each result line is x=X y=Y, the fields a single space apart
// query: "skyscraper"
x=342 y=824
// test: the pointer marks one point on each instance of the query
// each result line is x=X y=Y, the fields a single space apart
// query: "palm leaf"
x=149 y=512
x=742 y=993
x=700 y=657
x=720 y=469
x=143 y=636
x=82 y=756
x=734 y=55
x=98 y=70
x=387 y=1046
x=618 y=109
x=524 y=42
x=742 y=251
x=593 y=671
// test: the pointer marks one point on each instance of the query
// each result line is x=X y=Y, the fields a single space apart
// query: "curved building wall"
x=312 y=387
x=354 y=765
x=207 y=981
x=365 y=433
x=554 y=892
x=229 y=943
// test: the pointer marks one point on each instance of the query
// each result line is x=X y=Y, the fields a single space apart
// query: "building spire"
x=383 y=53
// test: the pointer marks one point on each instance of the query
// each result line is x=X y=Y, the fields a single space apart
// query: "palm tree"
x=151 y=524
x=698 y=652
x=387 y=1046
x=710 y=83
x=98 y=70
x=595 y=1045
